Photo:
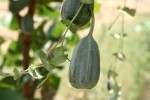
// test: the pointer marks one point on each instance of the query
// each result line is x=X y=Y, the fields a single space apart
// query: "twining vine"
x=113 y=85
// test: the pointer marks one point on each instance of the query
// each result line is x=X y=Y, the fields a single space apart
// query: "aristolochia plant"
x=84 y=69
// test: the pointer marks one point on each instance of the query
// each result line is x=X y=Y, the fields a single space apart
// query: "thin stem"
x=121 y=43
x=93 y=23
x=122 y=31
x=50 y=47
x=72 y=22
x=25 y=71
x=68 y=59
x=114 y=21
x=43 y=81
x=62 y=38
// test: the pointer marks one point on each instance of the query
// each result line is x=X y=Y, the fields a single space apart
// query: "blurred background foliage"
x=45 y=28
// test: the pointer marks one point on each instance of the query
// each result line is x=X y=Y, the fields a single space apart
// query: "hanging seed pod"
x=84 y=68
x=70 y=8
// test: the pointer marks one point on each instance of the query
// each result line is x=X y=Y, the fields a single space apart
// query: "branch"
x=26 y=43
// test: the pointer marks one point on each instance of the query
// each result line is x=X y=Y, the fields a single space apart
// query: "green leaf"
x=8 y=82
x=112 y=73
x=120 y=56
x=116 y=36
x=43 y=58
x=43 y=10
x=56 y=60
x=8 y=94
x=17 y=74
x=54 y=79
x=23 y=79
x=10 y=21
x=58 y=50
x=1 y=40
x=87 y=1
x=17 y=5
x=34 y=72
x=73 y=39
x=27 y=24
x=127 y=10
x=124 y=34
x=97 y=6
x=116 y=88
x=73 y=28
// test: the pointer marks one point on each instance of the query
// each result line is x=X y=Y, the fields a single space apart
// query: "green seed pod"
x=70 y=8
x=84 y=69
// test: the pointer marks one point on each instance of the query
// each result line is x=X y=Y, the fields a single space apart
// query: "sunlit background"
x=133 y=72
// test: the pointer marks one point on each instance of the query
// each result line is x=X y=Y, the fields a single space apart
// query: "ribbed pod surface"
x=84 y=69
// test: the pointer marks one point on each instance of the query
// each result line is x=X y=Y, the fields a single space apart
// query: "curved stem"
x=71 y=22
x=114 y=21
x=62 y=38
x=92 y=24
x=43 y=81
